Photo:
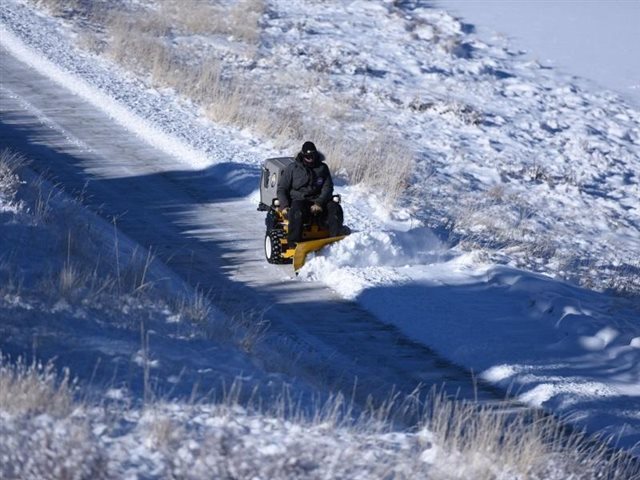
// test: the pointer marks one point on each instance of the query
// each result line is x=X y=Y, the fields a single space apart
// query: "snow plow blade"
x=303 y=248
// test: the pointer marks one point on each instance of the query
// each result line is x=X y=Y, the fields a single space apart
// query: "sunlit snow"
x=539 y=170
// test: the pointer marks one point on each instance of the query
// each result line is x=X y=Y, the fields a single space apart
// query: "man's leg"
x=335 y=217
x=297 y=216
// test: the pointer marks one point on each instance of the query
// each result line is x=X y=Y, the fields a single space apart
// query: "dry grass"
x=383 y=164
x=525 y=443
x=60 y=7
x=458 y=441
x=193 y=16
x=69 y=280
x=196 y=308
x=144 y=42
x=112 y=275
x=11 y=280
x=43 y=196
x=35 y=448
x=250 y=329
x=240 y=19
x=33 y=389
x=84 y=263
x=77 y=285
x=10 y=164
x=42 y=433
x=202 y=82
x=49 y=435
x=244 y=19
x=139 y=43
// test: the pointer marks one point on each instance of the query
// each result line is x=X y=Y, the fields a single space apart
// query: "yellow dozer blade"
x=302 y=248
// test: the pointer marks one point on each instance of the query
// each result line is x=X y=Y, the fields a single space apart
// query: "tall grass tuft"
x=34 y=388
x=10 y=164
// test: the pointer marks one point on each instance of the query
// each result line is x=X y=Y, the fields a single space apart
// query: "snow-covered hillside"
x=513 y=250
x=594 y=40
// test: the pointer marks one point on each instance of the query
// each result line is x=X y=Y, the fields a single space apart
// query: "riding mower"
x=315 y=234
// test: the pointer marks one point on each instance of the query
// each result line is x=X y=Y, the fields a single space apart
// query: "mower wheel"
x=273 y=247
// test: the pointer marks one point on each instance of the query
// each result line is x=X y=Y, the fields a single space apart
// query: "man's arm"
x=327 y=189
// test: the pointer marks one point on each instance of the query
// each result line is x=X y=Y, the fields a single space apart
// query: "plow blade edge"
x=303 y=248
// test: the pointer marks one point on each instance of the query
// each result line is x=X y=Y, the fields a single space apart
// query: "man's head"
x=309 y=152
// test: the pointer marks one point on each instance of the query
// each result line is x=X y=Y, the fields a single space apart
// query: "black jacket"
x=302 y=182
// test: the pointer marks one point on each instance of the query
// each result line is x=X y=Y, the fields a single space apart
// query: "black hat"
x=308 y=147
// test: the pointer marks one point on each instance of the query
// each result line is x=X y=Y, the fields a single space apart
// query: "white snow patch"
x=120 y=113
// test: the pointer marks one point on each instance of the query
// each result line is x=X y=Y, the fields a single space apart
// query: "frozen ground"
x=488 y=127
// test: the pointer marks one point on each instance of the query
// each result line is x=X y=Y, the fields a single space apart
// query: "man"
x=305 y=189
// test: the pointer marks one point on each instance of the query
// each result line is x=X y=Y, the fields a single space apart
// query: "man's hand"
x=316 y=209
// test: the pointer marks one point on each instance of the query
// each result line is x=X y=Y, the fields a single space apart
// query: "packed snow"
x=507 y=254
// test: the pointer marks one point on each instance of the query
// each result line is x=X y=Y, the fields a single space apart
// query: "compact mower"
x=315 y=234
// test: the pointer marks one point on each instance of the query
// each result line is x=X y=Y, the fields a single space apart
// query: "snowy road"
x=210 y=234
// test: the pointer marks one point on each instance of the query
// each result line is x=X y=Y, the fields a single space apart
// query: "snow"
x=123 y=115
x=593 y=40
x=488 y=126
